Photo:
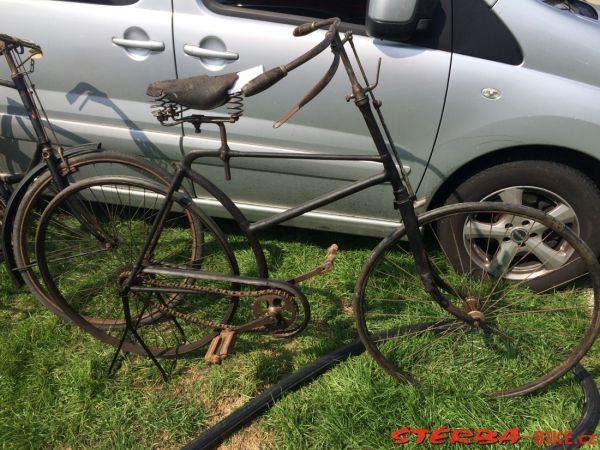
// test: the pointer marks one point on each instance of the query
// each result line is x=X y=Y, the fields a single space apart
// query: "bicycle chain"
x=219 y=291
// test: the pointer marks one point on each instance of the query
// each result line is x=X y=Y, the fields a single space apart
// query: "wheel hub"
x=474 y=309
x=111 y=244
x=478 y=316
x=519 y=235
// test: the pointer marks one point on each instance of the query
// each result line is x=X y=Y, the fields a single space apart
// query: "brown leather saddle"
x=202 y=92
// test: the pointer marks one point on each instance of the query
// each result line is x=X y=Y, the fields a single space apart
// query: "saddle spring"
x=235 y=106
x=169 y=113
x=164 y=109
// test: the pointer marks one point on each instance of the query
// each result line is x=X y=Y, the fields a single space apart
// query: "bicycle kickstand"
x=131 y=328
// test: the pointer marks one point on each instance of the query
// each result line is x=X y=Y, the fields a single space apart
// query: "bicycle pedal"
x=220 y=347
x=327 y=266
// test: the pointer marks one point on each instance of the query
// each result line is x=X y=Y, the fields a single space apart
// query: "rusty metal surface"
x=327 y=266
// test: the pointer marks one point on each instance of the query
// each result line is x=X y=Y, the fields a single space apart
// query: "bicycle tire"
x=43 y=189
x=2 y=212
x=84 y=277
x=521 y=341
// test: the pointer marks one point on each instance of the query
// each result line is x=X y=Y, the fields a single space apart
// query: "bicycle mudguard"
x=15 y=201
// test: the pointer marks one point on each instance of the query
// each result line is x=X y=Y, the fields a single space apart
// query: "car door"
x=243 y=34
x=93 y=77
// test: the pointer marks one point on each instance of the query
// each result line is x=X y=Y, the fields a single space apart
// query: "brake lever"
x=316 y=90
x=370 y=87
x=373 y=86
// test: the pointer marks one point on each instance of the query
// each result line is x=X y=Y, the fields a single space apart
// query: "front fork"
x=404 y=202
x=432 y=283
x=75 y=205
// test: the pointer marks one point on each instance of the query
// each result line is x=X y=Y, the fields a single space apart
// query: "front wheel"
x=521 y=339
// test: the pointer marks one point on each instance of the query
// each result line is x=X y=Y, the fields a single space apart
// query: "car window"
x=105 y=2
x=351 y=11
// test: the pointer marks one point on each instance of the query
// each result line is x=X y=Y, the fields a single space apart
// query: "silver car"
x=494 y=99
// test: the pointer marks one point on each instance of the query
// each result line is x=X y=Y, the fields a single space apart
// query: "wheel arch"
x=581 y=161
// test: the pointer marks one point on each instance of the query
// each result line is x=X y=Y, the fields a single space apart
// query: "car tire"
x=560 y=190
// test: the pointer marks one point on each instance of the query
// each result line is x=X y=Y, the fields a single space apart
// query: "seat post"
x=224 y=150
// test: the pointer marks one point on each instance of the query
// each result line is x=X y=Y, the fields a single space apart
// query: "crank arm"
x=327 y=266
x=256 y=323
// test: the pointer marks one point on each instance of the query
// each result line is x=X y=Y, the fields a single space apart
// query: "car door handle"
x=155 y=46
x=200 y=52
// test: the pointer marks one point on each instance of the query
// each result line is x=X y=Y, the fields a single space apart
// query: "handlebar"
x=272 y=76
x=307 y=28
x=10 y=44
x=13 y=42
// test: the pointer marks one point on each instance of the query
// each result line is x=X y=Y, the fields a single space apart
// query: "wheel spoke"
x=88 y=277
x=490 y=272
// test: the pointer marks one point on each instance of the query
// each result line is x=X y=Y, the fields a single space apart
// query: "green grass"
x=55 y=392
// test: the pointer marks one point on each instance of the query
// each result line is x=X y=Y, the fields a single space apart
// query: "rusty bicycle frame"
x=48 y=156
x=404 y=197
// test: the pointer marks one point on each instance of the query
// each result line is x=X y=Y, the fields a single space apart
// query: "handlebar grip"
x=307 y=28
x=304 y=29
x=264 y=81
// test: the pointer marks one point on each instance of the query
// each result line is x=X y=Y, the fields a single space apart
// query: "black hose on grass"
x=212 y=437
x=591 y=410
x=241 y=416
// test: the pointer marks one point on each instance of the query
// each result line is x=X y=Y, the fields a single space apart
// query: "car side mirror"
x=397 y=20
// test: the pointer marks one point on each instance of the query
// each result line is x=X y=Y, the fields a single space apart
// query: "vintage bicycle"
x=505 y=295
x=23 y=196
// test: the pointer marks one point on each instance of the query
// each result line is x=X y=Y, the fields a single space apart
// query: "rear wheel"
x=85 y=276
x=521 y=338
